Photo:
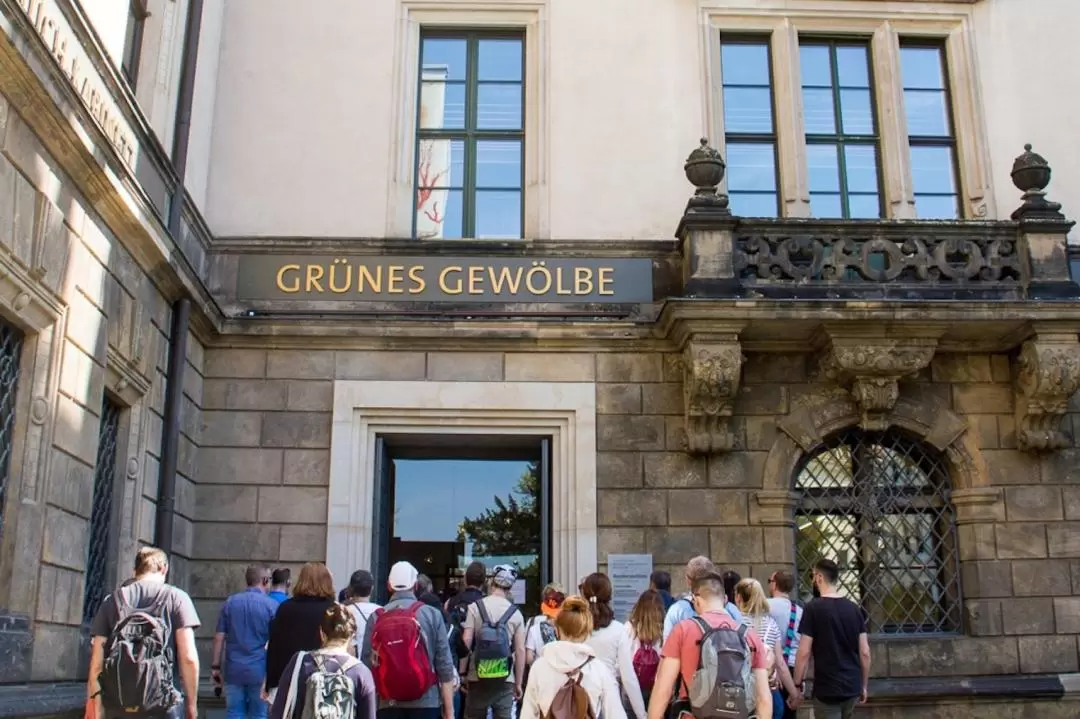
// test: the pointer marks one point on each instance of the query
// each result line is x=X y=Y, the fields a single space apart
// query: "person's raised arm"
x=187 y=659
x=864 y=663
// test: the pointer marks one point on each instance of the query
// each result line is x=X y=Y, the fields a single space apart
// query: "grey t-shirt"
x=178 y=610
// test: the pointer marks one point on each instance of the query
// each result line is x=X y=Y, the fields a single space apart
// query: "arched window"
x=877 y=503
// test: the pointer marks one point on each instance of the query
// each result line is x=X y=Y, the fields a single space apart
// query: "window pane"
x=498 y=214
x=745 y=64
x=438 y=214
x=498 y=163
x=444 y=57
x=440 y=163
x=747 y=110
x=442 y=106
x=936 y=207
x=824 y=168
x=499 y=60
x=751 y=166
x=855 y=110
x=921 y=68
x=498 y=107
x=864 y=207
x=825 y=205
x=860 y=162
x=753 y=205
x=852 y=65
x=927 y=113
x=819 y=112
x=932 y=169
x=815 y=65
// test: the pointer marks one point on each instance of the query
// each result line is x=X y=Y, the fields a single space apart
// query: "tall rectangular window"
x=129 y=65
x=470 y=149
x=841 y=129
x=930 y=130
x=11 y=341
x=749 y=126
x=101 y=512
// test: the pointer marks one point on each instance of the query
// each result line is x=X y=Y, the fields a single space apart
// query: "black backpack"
x=458 y=611
x=137 y=675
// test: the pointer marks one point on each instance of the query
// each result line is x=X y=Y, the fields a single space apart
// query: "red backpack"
x=646 y=662
x=399 y=657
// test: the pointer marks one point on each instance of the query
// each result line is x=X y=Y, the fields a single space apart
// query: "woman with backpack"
x=568 y=668
x=646 y=630
x=610 y=640
x=295 y=627
x=540 y=630
x=751 y=600
x=329 y=683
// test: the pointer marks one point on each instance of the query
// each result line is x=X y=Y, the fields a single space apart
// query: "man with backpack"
x=495 y=634
x=361 y=586
x=406 y=647
x=243 y=629
x=718 y=664
x=683 y=608
x=142 y=636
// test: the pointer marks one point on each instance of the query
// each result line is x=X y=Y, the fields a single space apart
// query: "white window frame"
x=884 y=25
x=528 y=16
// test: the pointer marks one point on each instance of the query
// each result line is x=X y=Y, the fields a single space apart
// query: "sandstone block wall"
x=264 y=470
x=94 y=323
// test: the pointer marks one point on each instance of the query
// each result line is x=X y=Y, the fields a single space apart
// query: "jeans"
x=839 y=710
x=399 y=713
x=787 y=712
x=496 y=695
x=244 y=701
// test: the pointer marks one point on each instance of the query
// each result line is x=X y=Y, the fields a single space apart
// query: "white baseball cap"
x=403 y=576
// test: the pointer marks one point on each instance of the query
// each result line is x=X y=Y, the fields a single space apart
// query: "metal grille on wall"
x=877 y=503
x=97 y=562
x=11 y=341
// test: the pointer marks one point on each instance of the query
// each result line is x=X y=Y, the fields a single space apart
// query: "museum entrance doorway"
x=443 y=501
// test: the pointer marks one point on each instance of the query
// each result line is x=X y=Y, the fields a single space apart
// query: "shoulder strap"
x=290 y=697
x=790 y=637
x=704 y=625
x=482 y=608
x=575 y=674
x=415 y=608
x=508 y=615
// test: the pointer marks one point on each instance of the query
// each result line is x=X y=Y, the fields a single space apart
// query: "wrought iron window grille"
x=878 y=504
x=11 y=342
x=101 y=513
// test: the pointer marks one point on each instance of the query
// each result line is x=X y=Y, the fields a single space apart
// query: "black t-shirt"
x=835 y=623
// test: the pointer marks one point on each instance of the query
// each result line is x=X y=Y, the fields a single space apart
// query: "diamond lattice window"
x=10 y=354
x=97 y=562
x=877 y=503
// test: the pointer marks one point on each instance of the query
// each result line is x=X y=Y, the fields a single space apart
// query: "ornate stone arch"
x=818 y=416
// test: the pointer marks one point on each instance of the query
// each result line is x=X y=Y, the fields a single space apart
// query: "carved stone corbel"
x=1047 y=375
x=712 y=369
x=870 y=368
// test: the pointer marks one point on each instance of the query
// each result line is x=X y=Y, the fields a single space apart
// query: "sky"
x=434 y=495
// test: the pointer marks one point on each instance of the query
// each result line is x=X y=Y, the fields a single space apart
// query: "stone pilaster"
x=712 y=369
x=870 y=368
x=1047 y=375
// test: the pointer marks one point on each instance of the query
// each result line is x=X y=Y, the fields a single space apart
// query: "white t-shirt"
x=361 y=612
x=780 y=611
x=534 y=637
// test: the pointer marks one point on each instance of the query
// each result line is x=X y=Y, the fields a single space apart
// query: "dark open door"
x=382 y=525
x=545 y=512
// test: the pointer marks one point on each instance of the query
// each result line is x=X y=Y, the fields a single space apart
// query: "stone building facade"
x=898 y=393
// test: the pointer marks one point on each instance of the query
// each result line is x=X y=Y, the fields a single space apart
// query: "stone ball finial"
x=705 y=168
x=1031 y=172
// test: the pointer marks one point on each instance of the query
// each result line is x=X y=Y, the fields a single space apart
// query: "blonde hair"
x=574 y=622
x=750 y=598
x=647 y=617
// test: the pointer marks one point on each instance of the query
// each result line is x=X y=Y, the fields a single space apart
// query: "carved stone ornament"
x=871 y=369
x=710 y=384
x=1048 y=374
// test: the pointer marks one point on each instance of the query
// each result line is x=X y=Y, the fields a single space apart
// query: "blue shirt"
x=245 y=622
x=684 y=609
x=277 y=596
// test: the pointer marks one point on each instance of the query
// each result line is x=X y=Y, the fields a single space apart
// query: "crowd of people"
x=726 y=648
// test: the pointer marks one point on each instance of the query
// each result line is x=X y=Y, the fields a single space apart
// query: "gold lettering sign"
x=445 y=279
x=49 y=23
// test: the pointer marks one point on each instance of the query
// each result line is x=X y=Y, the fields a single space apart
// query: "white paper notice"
x=629 y=575
x=517 y=592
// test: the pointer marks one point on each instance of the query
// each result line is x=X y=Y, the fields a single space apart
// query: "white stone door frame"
x=564 y=410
